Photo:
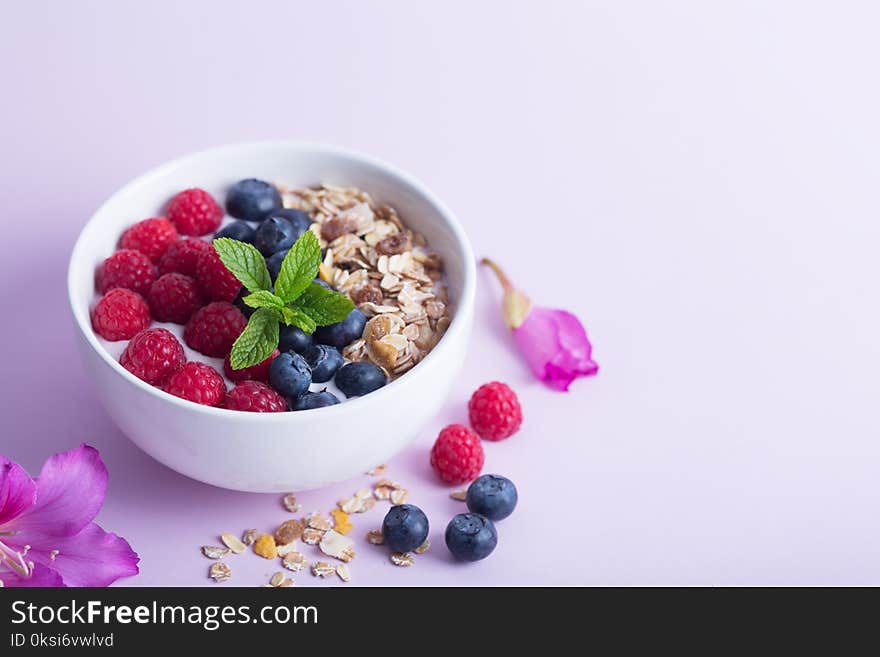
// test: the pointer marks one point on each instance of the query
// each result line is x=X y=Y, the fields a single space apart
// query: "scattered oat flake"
x=402 y=559
x=378 y=471
x=376 y=537
x=290 y=503
x=265 y=547
x=214 y=551
x=284 y=550
x=335 y=545
x=294 y=561
x=367 y=504
x=250 y=536
x=220 y=572
x=343 y=572
x=399 y=496
x=340 y=521
x=277 y=578
x=382 y=492
x=322 y=569
x=387 y=483
x=459 y=495
x=312 y=536
x=287 y=582
x=350 y=504
x=424 y=547
x=233 y=543
x=363 y=494
x=319 y=522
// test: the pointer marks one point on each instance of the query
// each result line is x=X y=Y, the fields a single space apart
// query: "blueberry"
x=323 y=283
x=313 y=400
x=359 y=378
x=296 y=218
x=273 y=235
x=289 y=374
x=252 y=199
x=324 y=361
x=246 y=310
x=492 y=496
x=471 y=537
x=237 y=230
x=405 y=527
x=295 y=339
x=273 y=262
x=342 y=333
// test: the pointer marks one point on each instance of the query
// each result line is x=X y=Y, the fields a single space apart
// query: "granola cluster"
x=385 y=268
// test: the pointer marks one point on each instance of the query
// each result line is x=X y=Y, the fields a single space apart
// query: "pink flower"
x=553 y=342
x=47 y=537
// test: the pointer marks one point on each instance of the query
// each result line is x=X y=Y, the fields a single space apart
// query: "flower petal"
x=92 y=557
x=555 y=345
x=17 y=490
x=70 y=492
x=42 y=576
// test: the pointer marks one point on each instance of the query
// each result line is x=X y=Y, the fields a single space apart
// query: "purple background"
x=698 y=184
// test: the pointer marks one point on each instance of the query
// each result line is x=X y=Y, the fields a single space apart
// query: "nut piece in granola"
x=335 y=545
x=288 y=532
x=219 y=572
x=265 y=547
x=233 y=543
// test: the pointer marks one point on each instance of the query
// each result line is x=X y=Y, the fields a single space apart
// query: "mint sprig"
x=297 y=300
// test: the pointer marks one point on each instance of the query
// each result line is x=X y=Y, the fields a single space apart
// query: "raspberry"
x=217 y=281
x=213 y=328
x=152 y=237
x=195 y=212
x=153 y=355
x=129 y=269
x=457 y=455
x=183 y=256
x=197 y=383
x=120 y=314
x=255 y=397
x=258 y=372
x=174 y=298
x=494 y=411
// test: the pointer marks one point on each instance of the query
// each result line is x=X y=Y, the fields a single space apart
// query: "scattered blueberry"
x=492 y=496
x=405 y=527
x=252 y=199
x=323 y=283
x=344 y=332
x=273 y=235
x=291 y=338
x=237 y=230
x=359 y=378
x=324 y=361
x=296 y=218
x=273 y=263
x=289 y=374
x=471 y=537
x=246 y=310
x=313 y=400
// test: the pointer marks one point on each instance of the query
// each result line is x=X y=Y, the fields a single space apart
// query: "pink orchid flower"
x=47 y=537
x=553 y=342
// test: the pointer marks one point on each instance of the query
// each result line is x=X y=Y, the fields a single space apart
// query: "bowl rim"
x=458 y=324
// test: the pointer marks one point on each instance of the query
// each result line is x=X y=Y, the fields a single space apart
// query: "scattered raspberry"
x=127 y=268
x=457 y=455
x=255 y=397
x=213 y=328
x=197 y=383
x=152 y=237
x=174 y=298
x=258 y=372
x=195 y=212
x=120 y=314
x=494 y=411
x=183 y=256
x=153 y=355
x=215 y=279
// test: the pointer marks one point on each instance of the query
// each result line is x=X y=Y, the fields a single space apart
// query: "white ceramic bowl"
x=271 y=452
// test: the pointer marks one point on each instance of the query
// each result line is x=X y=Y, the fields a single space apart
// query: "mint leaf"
x=245 y=262
x=263 y=299
x=322 y=305
x=299 y=267
x=295 y=317
x=258 y=340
